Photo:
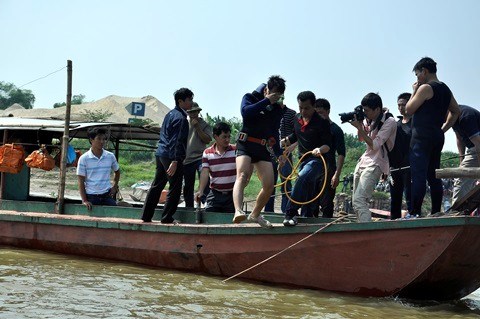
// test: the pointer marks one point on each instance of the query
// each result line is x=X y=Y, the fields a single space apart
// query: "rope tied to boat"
x=285 y=249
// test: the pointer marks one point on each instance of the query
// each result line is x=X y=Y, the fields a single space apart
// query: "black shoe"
x=290 y=222
x=147 y=220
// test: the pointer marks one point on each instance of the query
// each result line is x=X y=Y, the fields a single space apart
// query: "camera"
x=350 y=116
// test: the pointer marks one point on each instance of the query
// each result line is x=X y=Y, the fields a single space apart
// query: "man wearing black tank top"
x=434 y=111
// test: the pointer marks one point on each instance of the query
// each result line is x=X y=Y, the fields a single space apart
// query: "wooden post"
x=59 y=205
x=2 y=175
x=117 y=148
x=458 y=172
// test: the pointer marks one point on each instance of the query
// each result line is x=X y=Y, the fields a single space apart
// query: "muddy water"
x=36 y=284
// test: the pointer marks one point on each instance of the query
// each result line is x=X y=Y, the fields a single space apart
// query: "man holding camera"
x=379 y=134
x=261 y=116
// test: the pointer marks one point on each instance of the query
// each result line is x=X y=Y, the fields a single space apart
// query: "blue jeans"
x=424 y=159
x=102 y=199
x=304 y=190
x=285 y=171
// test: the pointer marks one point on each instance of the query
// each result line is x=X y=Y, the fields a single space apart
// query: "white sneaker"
x=260 y=220
x=239 y=216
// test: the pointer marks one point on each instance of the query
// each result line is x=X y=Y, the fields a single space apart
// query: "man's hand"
x=282 y=159
x=197 y=197
x=113 y=191
x=273 y=97
x=284 y=142
x=415 y=86
x=317 y=152
x=335 y=181
x=194 y=122
x=87 y=204
x=172 y=168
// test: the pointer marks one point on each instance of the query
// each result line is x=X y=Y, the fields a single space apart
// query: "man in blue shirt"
x=261 y=116
x=467 y=130
x=93 y=172
x=170 y=155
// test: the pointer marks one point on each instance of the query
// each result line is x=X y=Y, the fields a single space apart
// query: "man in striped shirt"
x=218 y=161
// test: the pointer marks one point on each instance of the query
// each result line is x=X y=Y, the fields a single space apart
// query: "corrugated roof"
x=79 y=129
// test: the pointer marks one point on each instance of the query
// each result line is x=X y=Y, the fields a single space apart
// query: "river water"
x=36 y=284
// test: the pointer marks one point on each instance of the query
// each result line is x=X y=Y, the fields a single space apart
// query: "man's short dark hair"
x=405 y=96
x=372 y=101
x=306 y=96
x=426 y=63
x=182 y=94
x=94 y=131
x=221 y=127
x=322 y=103
x=276 y=83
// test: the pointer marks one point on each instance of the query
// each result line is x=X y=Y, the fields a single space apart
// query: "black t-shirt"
x=467 y=124
x=315 y=134
x=427 y=121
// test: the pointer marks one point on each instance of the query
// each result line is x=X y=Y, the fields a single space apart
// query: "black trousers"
x=326 y=200
x=159 y=182
x=402 y=184
x=190 y=171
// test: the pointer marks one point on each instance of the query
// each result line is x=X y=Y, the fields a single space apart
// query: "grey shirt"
x=195 y=145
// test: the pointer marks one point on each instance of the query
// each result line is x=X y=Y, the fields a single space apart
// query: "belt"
x=222 y=192
x=104 y=195
x=257 y=140
x=244 y=137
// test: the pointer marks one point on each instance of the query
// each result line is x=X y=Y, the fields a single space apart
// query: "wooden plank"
x=469 y=202
x=458 y=172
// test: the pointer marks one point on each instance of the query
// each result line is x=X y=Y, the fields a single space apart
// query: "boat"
x=419 y=259
x=422 y=259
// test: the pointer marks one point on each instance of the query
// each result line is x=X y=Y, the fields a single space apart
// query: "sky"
x=340 y=50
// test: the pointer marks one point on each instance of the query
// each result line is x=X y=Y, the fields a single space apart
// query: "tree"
x=235 y=123
x=76 y=99
x=10 y=94
x=96 y=116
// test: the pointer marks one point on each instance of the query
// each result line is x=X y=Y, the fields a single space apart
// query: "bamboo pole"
x=59 y=205
x=2 y=175
x=458 y=172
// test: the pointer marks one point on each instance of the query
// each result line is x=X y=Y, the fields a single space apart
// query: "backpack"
x=399 y=153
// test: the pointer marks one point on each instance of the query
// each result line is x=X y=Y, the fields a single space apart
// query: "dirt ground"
x=46 y=184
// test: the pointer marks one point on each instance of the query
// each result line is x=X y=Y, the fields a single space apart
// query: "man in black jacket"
x=170 y=155
x=313 y=134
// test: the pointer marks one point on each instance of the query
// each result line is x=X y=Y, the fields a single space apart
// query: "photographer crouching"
x=379 y=134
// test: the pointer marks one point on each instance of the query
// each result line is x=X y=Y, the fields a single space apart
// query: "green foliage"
x=132 y=172
x=96 y=115
x=10 y=94
x=235 y=123
x=449 y=159
x=76 y=99
x=140 y=122
x=355 y=149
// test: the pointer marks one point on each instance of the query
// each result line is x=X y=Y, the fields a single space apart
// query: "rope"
x=294 y=170
x=42 y=77
x=285 y=249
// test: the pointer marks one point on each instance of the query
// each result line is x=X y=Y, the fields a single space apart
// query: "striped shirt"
x=286 y=123
x=223 y=170
x=97 y=171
